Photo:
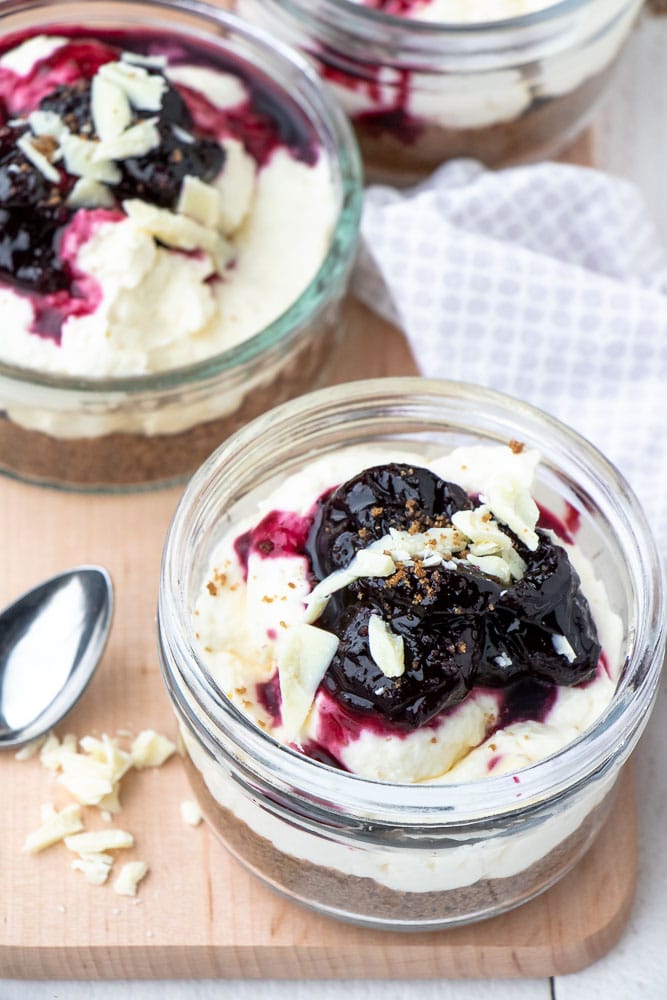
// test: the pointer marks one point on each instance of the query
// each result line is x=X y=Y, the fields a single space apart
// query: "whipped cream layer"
x=159 y=287
x=247 y=614
x=467 y=98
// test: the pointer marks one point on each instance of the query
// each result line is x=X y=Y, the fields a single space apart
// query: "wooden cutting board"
x=198 y=913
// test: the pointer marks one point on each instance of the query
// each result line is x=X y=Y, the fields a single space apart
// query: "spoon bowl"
x=51 y=640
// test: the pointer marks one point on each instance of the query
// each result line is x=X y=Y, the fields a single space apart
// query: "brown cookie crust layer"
x=133 y=459
x=545 y=127
x=366 y=900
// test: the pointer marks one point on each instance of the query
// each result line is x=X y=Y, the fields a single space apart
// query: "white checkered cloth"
x=548 y=282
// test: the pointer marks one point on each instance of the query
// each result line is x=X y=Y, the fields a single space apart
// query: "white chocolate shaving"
x=47 y=123
x=92 y=777
x=405 y=547
x=190 y=812
x=95 y=867
x=199 y=201
x=235 y=186
x=53 y=750
x=563 y=647
x=366 y=563
x=491 y=550
x=29 y=750
x=303 y=659
x=150 y=749
x=56 y=826
x=513 y=505
x=144 y=90
x=110 y=107
x=88 y=193
x=137 y=140
x=22 y=58
x=99 y=841
x=129 y=878
x=386 y=647
x=223 y=89
x=83 y=160
x=38 y=160
x=505 y=477
x=178 y=231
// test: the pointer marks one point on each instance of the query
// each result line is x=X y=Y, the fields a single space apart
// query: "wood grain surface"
x=198 y=913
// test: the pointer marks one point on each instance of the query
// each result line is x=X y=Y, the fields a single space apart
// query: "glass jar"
x=407 y=856
x=422 y=92
x=134 y=431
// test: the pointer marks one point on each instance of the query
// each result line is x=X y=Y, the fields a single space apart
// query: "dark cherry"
x=32 y=214
x=158 y=176
x=547 y=601
x=72 y=103
x=364 y=509
x=526 y=700
x=438 y=671
x=433 y=593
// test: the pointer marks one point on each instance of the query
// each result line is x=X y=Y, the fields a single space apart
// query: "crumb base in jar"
x=365 y=901
x=122 y=459
x=111 y=460
x=544 y=129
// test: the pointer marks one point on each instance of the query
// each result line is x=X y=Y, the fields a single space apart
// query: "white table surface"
x=631 y=140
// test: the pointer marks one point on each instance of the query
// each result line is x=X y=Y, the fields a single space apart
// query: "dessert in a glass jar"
x=405 y=659
x=178 y=222
x=425 y=81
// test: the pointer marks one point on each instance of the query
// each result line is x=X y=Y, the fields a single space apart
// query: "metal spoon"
x=51 y=640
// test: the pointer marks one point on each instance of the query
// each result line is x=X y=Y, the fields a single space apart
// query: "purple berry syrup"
x=38 y=230
x=268 y=696
x=279 y=534
x=401 y=8
x=566 y=527
x=390 y=115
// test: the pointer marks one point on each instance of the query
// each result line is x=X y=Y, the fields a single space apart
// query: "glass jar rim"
x=371 y=17
x=276 y=334
x=436 y=802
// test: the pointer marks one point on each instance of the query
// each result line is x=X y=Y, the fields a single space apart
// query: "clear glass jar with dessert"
x=411 y=630
x=180 y=201
x=425 y=81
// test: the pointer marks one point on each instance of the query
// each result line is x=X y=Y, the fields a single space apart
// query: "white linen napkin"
x=548 y=282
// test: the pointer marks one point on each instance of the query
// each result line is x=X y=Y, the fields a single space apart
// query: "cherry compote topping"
x=34 y=213
x=460 y=627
